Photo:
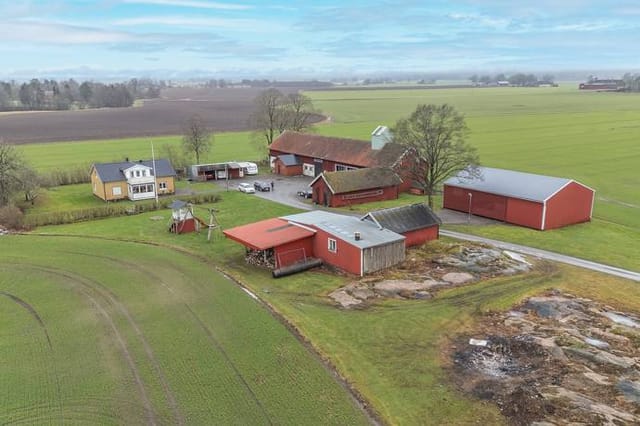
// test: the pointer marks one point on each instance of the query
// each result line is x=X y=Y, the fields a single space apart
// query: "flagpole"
x=155 y=177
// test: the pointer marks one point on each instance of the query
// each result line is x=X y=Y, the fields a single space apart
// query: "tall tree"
x=298 y=112
x=267 y=117
x=437 y=134
x=274 y=113
x=197 y=138
x=11 y=165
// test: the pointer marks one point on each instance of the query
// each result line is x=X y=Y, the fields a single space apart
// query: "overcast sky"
x=317 y=37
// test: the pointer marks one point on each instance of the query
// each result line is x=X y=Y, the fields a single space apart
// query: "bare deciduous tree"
x=274 y=113
x=437 y=134
x=11 y=165
x=197 y=137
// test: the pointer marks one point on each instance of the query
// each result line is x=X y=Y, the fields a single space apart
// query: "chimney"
x=356 y=236
x=379 y=137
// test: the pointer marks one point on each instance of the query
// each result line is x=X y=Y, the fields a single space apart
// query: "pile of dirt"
x=425 y=273
x=556 y=358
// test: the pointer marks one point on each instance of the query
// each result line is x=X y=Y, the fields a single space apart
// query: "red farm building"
x=525 y=199
x=339 y=189
x=345 y=242
x=416 y=222
x=294 y=153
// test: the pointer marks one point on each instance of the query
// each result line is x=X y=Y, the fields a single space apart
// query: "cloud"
x=191 y=4
x=187 y=21
x=57 y=33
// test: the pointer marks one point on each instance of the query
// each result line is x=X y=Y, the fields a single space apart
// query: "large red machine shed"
x=291 y=243
x=525 y=199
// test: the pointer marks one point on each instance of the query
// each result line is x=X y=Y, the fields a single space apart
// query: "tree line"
x=38 y=95
x=518 y=79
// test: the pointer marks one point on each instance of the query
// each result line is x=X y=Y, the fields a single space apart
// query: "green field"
x=391 y=352
x=591 y=137
x=49 y=156
x=104 y=332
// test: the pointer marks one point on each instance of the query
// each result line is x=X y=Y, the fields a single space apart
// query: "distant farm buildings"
x=608 y=85
x=380 y=167
x=355 y=245
x=132 y=180
x=530 y=200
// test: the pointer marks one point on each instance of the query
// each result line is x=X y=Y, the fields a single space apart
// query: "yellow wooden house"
x=132 y=180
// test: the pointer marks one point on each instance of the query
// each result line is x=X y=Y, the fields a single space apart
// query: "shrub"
x=113 y=209
x=11 y=217
x=66 y=176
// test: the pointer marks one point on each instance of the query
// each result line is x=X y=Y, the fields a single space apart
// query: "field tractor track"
x=84 y=287
x=34 y=313
x=210 y=335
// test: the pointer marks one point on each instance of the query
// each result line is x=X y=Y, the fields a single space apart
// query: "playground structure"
x=184 y=221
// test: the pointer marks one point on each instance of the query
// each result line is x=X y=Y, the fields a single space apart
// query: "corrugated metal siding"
x=381 y=257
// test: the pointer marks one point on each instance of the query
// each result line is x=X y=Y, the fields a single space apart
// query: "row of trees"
x=67 y=94
x=518 y=79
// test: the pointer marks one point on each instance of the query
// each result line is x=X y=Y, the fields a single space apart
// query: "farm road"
x=549 y=255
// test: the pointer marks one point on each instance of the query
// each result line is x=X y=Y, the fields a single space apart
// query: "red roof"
x=347 y=151
x=267 y=233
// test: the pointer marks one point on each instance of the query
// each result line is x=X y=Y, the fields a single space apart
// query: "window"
x=162 y=185
x=137 y=173
x=116 y=190
x=333 y=245
x=144 y=173
x=343 y=168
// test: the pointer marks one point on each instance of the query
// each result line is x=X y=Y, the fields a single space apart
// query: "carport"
x=278 y=242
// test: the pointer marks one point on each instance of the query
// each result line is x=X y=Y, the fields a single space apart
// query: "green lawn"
x=393 y=352
x=105 y=332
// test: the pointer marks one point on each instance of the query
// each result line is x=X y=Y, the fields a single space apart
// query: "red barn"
x=416 y=222
x=310 y=155
x=525 y=199
x=339 y=189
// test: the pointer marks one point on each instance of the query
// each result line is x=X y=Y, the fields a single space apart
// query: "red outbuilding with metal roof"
x=525 y=199
x=289 y=242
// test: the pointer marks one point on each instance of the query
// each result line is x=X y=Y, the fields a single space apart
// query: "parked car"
x=246 y=188
x=306 y=193
x=262 y=186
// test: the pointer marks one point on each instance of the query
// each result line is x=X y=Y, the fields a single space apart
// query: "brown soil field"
x=222 y=109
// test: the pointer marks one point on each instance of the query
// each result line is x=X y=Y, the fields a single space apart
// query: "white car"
x=246 y=188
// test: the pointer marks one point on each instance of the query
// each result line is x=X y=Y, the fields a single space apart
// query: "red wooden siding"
x=296 y=251
x=421 y=236
x=281 y=169
x=322 y=195
x=524 y=213
x=482 y=204
x=573 y=204
x=346 y=257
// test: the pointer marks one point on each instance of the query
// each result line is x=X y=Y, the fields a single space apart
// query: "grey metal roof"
x=289 y=159
x=404 y=218
x=113 y=172
x=527 y=186
x=344 y=227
